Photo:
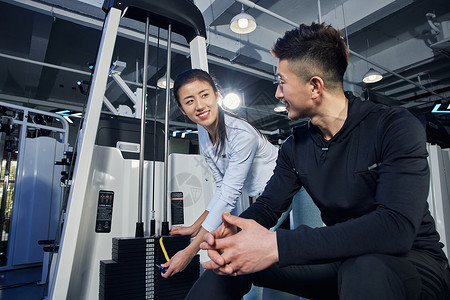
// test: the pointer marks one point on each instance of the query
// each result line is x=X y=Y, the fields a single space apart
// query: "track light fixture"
x=372 y=76
x=280 y=108
x=162 y=82
x=243 y=23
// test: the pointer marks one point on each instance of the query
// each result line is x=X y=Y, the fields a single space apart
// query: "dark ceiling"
x=46 y=47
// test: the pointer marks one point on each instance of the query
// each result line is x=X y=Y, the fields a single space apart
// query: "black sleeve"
x=400 y=201
x=279 y=191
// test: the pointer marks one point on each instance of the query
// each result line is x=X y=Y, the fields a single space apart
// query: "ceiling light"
x=231 y=101
x=372 y=76
x=68 y=119
x=77 y=115
x=63 y=112
x=162 y=82
x=243 y=23
x=280 y=108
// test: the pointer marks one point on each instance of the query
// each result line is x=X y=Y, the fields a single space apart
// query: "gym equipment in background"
x=101 y=171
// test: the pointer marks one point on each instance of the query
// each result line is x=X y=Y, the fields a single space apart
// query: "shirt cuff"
x=283 y=252
x=214 y=218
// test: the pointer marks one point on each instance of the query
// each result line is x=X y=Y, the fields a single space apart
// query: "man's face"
x=292 y=92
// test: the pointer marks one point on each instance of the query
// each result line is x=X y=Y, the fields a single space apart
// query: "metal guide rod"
x=140 y=224
x=5 y=180
x=155 y=113
x=165 y=223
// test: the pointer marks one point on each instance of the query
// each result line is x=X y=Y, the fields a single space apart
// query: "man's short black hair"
x=315 y=50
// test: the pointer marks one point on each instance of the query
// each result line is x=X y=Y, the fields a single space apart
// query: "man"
x=365 y=167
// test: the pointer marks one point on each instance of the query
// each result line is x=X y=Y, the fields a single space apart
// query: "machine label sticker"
x=104 y=211
x=176 y=205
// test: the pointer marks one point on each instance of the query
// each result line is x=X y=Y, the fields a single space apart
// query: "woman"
x=240 y=157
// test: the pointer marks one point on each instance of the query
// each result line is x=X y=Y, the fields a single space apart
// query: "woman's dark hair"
x=197 y=74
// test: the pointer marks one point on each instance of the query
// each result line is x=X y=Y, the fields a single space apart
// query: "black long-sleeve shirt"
x=370 y=182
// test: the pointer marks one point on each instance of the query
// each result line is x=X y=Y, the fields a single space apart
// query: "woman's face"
x=199 y=103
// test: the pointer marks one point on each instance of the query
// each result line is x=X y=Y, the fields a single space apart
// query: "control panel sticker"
x=176 y=201
x=104 y=211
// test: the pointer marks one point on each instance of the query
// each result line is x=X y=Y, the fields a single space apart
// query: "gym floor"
x=22 y=284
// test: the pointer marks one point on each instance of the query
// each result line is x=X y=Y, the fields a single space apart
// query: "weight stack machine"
x=133 y=272
x=86 y=268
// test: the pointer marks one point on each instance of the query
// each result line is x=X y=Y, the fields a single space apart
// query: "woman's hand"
x=182 y=258
x=177 y=263
x=184 y=230
x=190 y=230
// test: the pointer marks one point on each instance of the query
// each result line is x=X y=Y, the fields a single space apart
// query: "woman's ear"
x=182 y=110
x=217 y=96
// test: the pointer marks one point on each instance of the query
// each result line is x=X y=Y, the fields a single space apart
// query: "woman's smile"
x=203 y=115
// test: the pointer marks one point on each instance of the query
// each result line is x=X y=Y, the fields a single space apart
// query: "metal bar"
x=5 y=181
x=165 y=225
x=139 y=225
x=35 y=62
x=122 y=84
x=44 y=64
x=319 y=11
x=396 y=74
x=253 y=5
x=132 y=34
x=185 y=50
x=155 y=112
x=109 y=105
x=66 y=260
x=260 y=8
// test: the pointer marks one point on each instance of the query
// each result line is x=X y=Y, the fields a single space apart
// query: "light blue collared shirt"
x=245 y=165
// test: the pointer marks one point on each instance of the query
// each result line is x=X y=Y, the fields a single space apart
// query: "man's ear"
x=317 y=86
x=182 y=110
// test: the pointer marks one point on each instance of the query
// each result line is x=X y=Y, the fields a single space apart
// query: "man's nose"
x=279 y=94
